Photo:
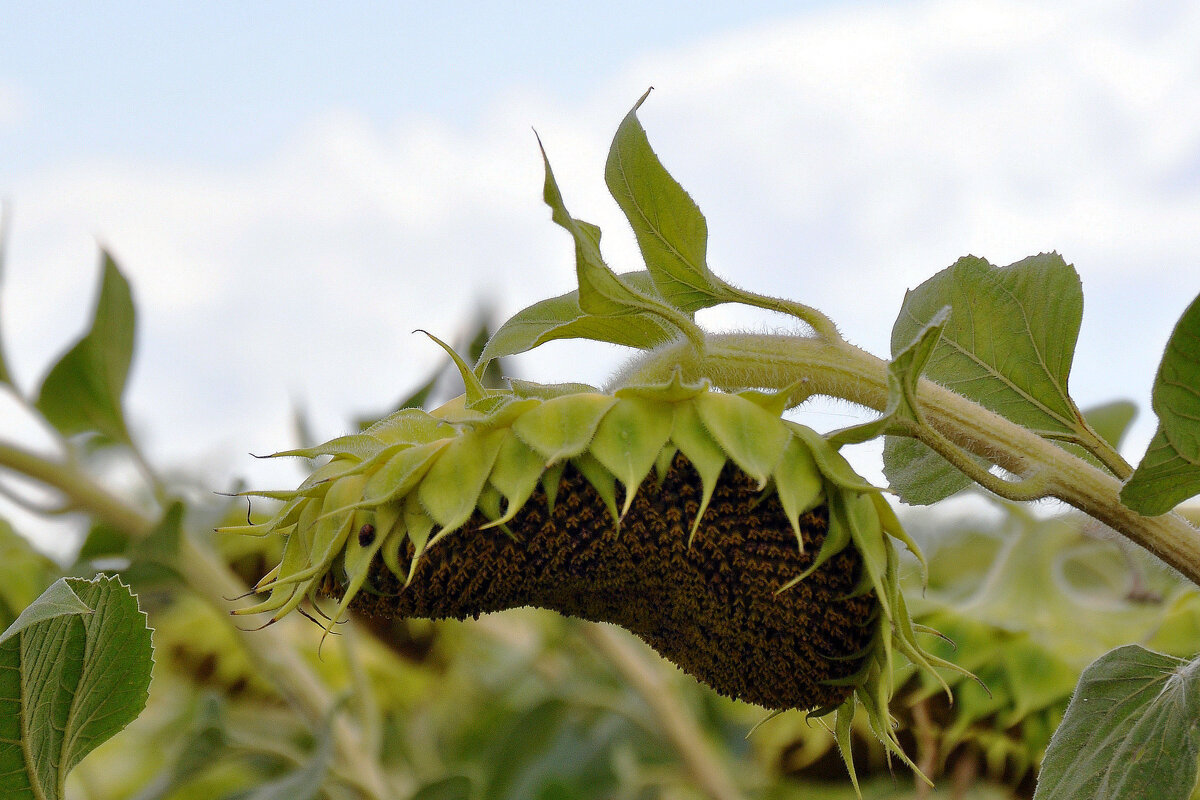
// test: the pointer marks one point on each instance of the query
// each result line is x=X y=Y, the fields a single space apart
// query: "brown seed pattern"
x=711 y=609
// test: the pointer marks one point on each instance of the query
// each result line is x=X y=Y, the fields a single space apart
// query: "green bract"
x=421 y=486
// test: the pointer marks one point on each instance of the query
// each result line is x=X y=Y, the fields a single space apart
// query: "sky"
x=292 y=189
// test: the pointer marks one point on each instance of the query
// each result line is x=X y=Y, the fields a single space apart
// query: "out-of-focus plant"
x=678 y=502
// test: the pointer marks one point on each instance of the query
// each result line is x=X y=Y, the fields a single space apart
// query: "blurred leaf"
x=162 y=545
x=305 y=782
x=561 y=318
x=1130 y=731
x=102 y=541
x=457 y=787
x=302 y=427
x=142 y=563
x=670 y=230
x=419 y=397
x=1170 y=470
x=550 y=746
x=1111 y=420
x=68 y=681
x=415 y=399
x=24 y=573
x=1008 y=345
x=201 y=747
x=82 y=392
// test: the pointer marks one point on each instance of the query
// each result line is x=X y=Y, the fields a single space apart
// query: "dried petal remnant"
x=713 y=609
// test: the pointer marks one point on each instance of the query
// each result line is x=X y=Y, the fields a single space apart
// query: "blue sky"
x=293 y=189
x=219 y=83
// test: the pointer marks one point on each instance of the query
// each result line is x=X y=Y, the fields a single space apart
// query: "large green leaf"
x=1162 y=480
x=74 y=670
x=1132 y=731
x=561 y=318
x=670 y=230
x=82 y=392
x=1010 y=339
x=1170 y=471
x=1176 y=395
x=1008 y=345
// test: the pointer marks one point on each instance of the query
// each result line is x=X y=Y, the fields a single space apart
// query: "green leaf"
x=752 y=436
x=69 y=680
x=1132 y=730
x=475 y=391
x=1010 y=339
x=82 y=392
x=629 y=439
x=561 y=318
x=451 y=488
x=1163 y=479
x=1176 y=395
x=1170 y=471
x=601 y=291
x=1111 y=420
x=58 y=600
x=918 y=475
x=305 y=782
x=1008 y=345
x=670 y=230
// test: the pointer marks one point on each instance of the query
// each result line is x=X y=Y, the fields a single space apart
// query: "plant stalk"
x=839 y=369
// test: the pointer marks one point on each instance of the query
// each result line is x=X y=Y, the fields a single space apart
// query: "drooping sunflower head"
x=740 y=545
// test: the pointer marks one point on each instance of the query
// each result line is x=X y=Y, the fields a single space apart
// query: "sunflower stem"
x=839 y=369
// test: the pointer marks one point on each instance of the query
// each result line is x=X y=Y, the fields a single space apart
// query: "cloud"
x=12 y=106
x=841 y=158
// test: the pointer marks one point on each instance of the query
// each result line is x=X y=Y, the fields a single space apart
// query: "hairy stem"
x=838 y=369
x=821 y=324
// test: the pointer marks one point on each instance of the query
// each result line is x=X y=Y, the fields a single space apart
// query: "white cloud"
x=12 y=105
x=840 y=158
